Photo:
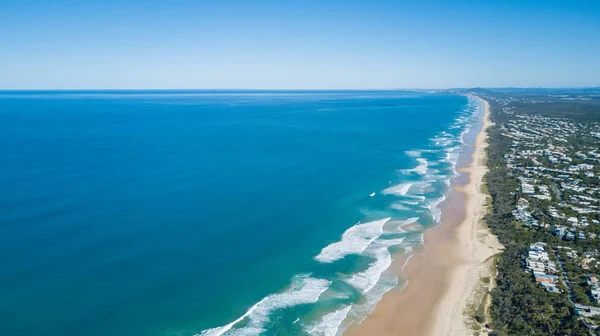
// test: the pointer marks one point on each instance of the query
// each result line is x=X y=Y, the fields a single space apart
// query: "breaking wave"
x=304 y=290
x=354 y=241
x=367 y=279
x=400 y=189
x=330 y=323
x=421 y=169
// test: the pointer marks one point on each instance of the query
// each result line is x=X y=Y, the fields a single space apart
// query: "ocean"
x=215 y=212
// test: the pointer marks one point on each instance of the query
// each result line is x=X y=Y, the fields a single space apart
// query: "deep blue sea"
x=214 y=212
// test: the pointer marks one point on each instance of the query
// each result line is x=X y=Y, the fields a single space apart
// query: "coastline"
x=444 y=275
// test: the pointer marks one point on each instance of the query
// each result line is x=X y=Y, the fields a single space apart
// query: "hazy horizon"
x=299 y=90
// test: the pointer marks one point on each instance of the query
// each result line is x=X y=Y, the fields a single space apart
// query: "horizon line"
x=298 y=89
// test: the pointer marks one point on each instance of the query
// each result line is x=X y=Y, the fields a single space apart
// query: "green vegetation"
x=519 y=305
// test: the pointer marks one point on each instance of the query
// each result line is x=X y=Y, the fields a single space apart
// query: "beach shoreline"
x=446 y=272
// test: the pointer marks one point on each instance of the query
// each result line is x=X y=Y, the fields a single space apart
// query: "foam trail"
x=420 y=169
x=367 y=279
x=399 y=206
x=354 y=241
x=372 y=297
x=407 y=222
x=447 y=182
x=436 y=177
x=419 y=197
x=400 y=189
x=436 y=201
x=422 y=186
x=304 y=290
x=330 y=323
x=436 y=212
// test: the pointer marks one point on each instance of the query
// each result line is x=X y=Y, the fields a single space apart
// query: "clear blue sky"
x=298 y=44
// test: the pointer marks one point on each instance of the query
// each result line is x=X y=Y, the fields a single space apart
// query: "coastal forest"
x=520 y=306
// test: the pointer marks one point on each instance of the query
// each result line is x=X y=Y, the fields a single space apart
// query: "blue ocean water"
x=214 y=212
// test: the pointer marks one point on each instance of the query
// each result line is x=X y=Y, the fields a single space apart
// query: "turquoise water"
x=214 y=212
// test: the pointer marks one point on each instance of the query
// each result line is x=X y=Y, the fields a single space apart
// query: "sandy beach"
x=445 y=274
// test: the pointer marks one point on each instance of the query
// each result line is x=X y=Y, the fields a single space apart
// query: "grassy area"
x=478 y=311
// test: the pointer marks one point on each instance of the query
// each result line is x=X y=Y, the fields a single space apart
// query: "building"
x=586 y=311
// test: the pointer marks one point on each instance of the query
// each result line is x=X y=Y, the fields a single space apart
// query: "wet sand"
x=444 y=273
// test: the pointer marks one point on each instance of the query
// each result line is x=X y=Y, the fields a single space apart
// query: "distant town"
x=544 y=160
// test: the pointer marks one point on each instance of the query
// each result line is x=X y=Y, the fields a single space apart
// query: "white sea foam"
x=436 y=214
x=399 y=189
x=442 y=141
x=436 y=177
x=376 y=293
x=330 y=323
x=354 y=241
x=406 y=222
x=304 y=290
x=420 y=169
x=361 y=311
x=422 y=186
x=436 y=201
x=452 y=155
x=421 y=238
x=447 y=182
x=435 y=211
x=419 y=197
x=399 y=206
x=367 y=279
x=413 y=153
